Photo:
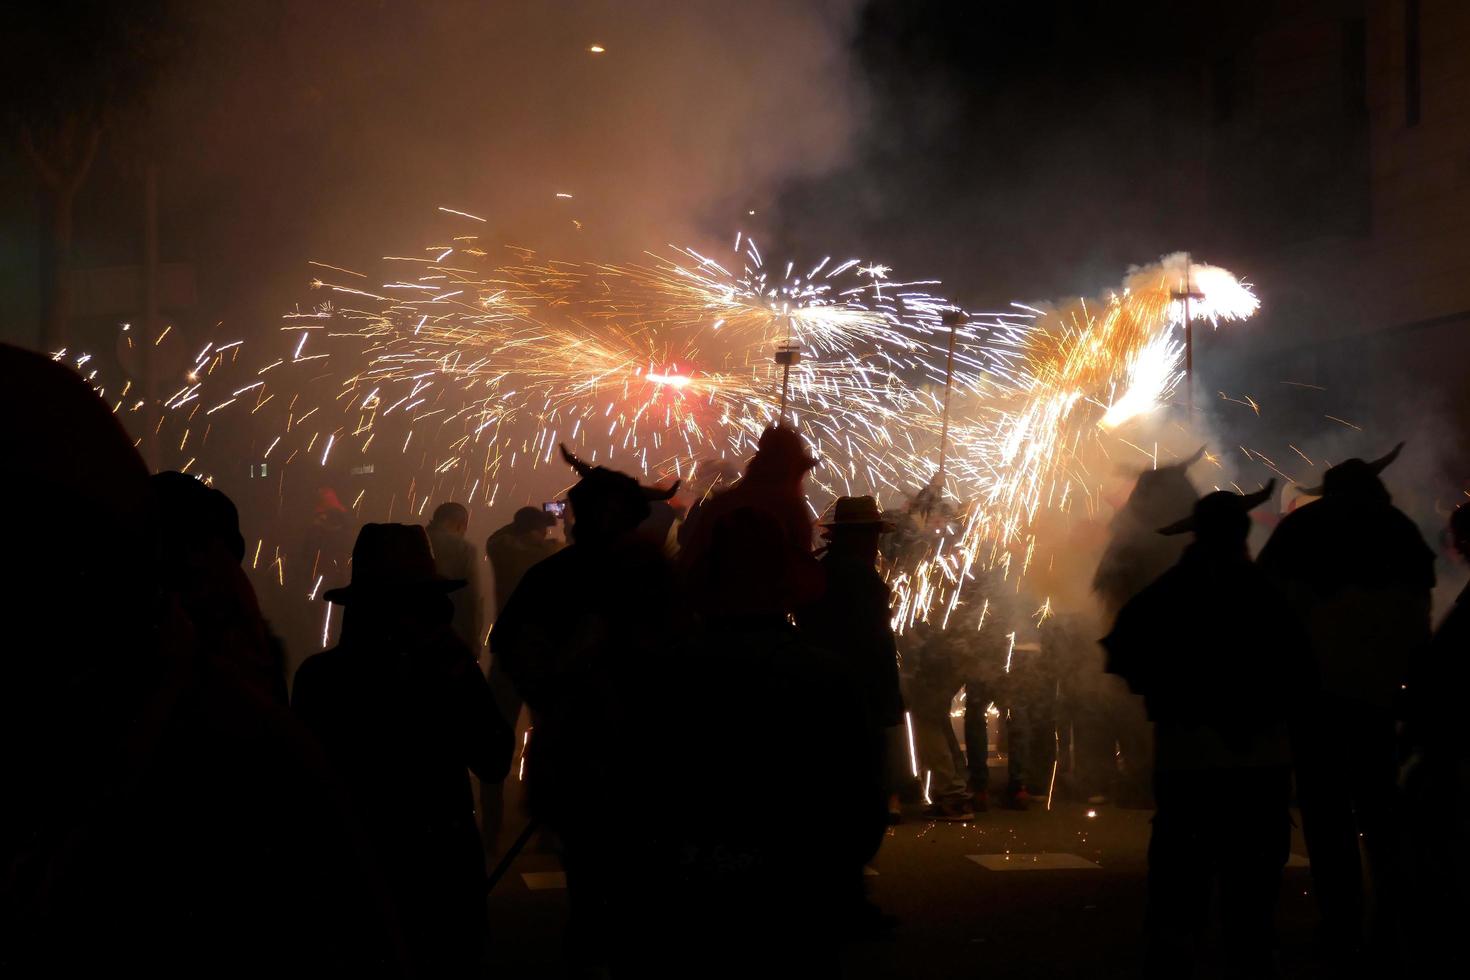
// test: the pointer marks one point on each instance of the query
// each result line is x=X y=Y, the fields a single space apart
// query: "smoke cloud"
x=374 y=115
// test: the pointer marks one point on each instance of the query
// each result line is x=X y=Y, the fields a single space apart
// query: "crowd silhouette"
x=168 y=801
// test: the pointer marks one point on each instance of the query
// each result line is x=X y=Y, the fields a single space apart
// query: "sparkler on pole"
x=786 y=355
x=1185 y=295
x=954 y=319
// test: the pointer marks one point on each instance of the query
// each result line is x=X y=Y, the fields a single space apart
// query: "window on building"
x=1411 y=63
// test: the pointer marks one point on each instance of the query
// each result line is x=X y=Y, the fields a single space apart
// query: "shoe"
x=956 y=811
x=1016 y=800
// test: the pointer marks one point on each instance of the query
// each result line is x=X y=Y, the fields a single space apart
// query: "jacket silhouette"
x=1215 y=652
x=403 y=712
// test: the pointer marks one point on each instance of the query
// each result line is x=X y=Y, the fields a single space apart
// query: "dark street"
x=1015 y=894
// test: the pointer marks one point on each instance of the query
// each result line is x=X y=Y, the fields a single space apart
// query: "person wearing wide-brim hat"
x=388 y=561
x=856 y=514
x=403 y=711
x=851 y=621
x=1219 y=659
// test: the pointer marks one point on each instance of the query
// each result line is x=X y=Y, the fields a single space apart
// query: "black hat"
x=1220 y=509
x=858 y=512
x=389 y=560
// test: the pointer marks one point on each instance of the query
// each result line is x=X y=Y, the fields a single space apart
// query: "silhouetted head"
x=1221 y=520
x=1356 y=479
x=855 y=527
x=780 y=455
x=607 y=504
x=194 y=517
x=65 y=453
x=391 y=564
x=533 y=522
x=1161 y=494
x=1460 y=529
x=451 y=517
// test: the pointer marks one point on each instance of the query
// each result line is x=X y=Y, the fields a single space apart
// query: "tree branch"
x=47 y=173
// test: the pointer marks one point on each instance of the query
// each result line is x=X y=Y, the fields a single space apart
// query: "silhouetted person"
x=403 y=712
x=971 y=653
x=582 y=639
x=772 y=485
x=1135 y=555
x=512 y=550
x=755 y=712
x=455 y=558
x=1215 y=652
x=201 y=550
x=161 y=818
x=852 y=621
x=711 y=478
x=515 y=547
x=1359 y=575
x=1436 y=782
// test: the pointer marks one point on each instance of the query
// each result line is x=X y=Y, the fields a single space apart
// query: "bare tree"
x=72 y=68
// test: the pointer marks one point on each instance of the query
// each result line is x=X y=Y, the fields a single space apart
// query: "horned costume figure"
x=583 y=639
x=1213 y=649
x=1358 y=574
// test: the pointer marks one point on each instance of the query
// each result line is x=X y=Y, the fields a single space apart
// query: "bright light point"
x=750 y=212
x=1091 y=813
x=597 y=49
x=562 y=194
x=678 y=381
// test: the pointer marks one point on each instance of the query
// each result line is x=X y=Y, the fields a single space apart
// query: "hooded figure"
x=1136 y=555
x=404 y=713
x=772 y=486
x=1214 y=650
x=1359 y=575
x=755 y=712
x=582 y=640
x=192 y=824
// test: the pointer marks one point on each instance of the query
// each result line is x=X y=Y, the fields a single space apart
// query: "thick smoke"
x=375 y=114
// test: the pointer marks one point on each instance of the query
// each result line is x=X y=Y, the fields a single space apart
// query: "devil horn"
x=655 y=494
x=1383 y=462
x=1199 y=454
x=1251 y=501
x=582 y=468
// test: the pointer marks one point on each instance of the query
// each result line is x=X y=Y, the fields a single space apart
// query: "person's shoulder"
x=324 y=662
